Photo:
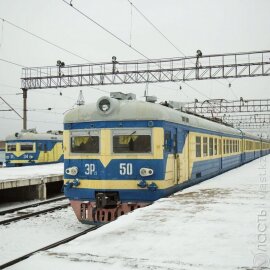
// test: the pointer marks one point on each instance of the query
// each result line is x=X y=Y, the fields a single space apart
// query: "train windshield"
x=85 y=142
x=132 y=141
x=27 y=147
x=11 y=147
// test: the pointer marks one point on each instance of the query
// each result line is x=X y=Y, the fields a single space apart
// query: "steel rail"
x=8 y=211
x=66 y=240
x=8 y=221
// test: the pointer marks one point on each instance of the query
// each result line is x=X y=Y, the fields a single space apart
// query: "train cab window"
x=205 y=146
x=85 y=142
x=198 y=147
x=215 y=146
x=11 y=147
x=132 y=141
x=211 y=147
x=27 y=147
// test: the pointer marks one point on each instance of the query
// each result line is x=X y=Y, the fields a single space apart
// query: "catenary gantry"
x=200 y=67
x=223 y=106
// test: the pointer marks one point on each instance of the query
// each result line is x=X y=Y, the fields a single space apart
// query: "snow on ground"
x=31 y=171
x=223 y=223
x=24 y=236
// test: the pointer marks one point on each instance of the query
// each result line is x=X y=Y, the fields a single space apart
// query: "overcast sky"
x=212 y=26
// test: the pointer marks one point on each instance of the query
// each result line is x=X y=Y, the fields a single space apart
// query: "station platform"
x=222 y=223
x=29 y=182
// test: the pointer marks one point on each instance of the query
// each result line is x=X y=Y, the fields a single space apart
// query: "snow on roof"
x=33 y=136
x=213 y=225
x=125 y=110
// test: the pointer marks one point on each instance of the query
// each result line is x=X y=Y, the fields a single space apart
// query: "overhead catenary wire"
x=181 y=52
x=105 y=29
x=155 y=27
x=45 y=40
x=118 y=38
x=34 y=121
x=2 y=34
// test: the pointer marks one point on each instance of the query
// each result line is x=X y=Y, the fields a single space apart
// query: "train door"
x=182 y=155
x=169 y=150
x=39 y=149
x=46 y=155
x=221 y=152
x=242 y=151
x=176 y=157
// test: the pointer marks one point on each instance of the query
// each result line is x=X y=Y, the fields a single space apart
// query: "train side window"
x=211 y=147
x=11 y=147
x=227 y=146
x=198 y=146
x=224 y=146
x=219 y=147
x=205 y=146
x=215 y=146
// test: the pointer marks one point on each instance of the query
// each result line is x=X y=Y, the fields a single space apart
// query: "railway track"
x=36 y=213
x=8 y=211
x=58 y=243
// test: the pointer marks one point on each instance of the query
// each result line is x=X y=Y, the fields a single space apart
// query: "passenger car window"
x=198 y=147
x=205 y=146
x=211 y=147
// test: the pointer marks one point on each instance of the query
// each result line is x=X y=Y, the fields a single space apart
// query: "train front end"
x=113 y=159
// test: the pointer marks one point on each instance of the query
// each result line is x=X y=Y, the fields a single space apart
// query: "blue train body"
x=124 y=154
x=32 y=148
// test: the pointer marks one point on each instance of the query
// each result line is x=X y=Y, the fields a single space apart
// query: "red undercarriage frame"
x=87 y=212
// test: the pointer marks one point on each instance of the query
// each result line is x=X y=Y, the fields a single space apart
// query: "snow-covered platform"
x=38 y=176
x=223 y=223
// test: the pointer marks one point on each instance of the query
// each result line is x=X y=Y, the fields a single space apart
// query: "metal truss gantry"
x=216 y=107
x=248 y=121
x=222 y=110
x=200 y=67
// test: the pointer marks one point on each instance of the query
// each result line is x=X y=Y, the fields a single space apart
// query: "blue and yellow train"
x=31 y=148
x=120 y=155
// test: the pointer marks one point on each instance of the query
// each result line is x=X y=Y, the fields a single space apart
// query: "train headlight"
x=107 y=105
x=104 y=105
x=72 y=171
x=146 y=172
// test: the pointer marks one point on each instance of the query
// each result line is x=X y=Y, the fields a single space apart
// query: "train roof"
x=140 y=110
x=33 y=135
